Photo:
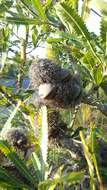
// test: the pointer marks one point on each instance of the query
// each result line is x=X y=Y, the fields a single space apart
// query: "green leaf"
x=101 y=5
x=28 y=6
x=37 y=165
x=88 y=157
x=103 y=32
x=44 y=140
x=34 y=37
x=85 y=9
x=103 y=29
x=71 y=177
x=38 y=7
x=98 y=75
x=55 y=40
x=103 y=84
x=88 y=59
x=6 y=177
x=72 y=20
x=12 y=115
x=7 y=186
x=19 y=20
x=4 y=6
x=20 y=164
x=48 y=3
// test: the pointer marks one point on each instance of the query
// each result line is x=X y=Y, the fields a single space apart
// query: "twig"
x=86 y=99
x=95 y=12
x=74 y=115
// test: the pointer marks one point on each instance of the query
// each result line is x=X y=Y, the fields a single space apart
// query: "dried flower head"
x=56 y=86
x=17 y=137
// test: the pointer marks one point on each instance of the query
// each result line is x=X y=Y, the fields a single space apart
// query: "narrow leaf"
x=55 y=40
x=71 y=19
x=20 y=164
x=71 y=177
x=44 y=140
x=18 y=20
x=37 y=166
x=85 y=9
x=38 y=7
x=10 y=179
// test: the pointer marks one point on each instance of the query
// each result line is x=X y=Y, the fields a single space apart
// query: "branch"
x=87 y=99
x=23 y=47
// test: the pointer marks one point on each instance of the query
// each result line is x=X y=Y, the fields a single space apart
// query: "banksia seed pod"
x=57 y=127
x=46 y=71
x=17 y=137
x=56 y=86
x=61 y=95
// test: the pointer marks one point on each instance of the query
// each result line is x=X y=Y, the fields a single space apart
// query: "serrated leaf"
x=11 y=180
x=13 y=157
x=37 y=166
x=101 y=5
x=103 y=29
x=71 y=19
x=4 y=6
x=69 y=16
x=103 y=32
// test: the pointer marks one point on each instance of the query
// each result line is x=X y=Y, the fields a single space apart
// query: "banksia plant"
x=56 y=86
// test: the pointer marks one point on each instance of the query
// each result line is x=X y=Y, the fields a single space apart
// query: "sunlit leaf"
x=98 y=75
x=37 y=166
x=39 y=8
x=71 y=177
x=18 y=20
x=101 y=5
x=71 y=19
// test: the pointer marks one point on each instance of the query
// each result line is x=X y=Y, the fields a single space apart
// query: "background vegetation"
x=77 y=159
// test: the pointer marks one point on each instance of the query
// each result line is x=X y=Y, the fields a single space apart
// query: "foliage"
x=61 y=28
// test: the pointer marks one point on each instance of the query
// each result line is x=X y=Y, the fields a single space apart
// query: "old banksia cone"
x=57 y=127
x=46 y=71
x=17 y=137
x=56 y=86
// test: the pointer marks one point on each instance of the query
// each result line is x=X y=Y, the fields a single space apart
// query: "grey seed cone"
x=63 y=95
x=46 y=71
x=17 y=137
x=56 y=86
